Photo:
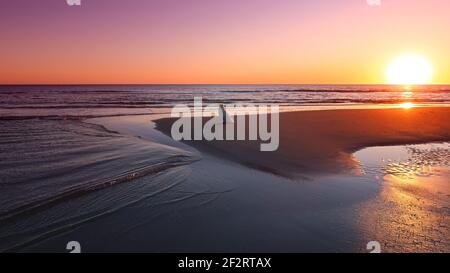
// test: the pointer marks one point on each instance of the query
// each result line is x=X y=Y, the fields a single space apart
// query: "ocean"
x=109 y=100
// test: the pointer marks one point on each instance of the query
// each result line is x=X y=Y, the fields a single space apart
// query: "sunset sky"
x=218 y=41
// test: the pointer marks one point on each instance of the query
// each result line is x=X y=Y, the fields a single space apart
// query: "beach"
x=341 y=178
x=408 y=211
x=324 y=190
x=320 y=142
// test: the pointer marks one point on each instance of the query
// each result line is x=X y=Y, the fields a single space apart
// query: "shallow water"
x=49 y=164
x=411 y=212
x=223 y=206
x=406 y=161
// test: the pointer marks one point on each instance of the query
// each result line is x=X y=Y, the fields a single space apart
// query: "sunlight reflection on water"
x=411 y=212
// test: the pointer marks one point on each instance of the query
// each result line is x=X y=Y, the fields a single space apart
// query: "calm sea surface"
x=105 y=100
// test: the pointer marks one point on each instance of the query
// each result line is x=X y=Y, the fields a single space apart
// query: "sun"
x=410 y=70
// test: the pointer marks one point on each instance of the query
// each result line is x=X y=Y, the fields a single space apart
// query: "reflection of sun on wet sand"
x=410 y=214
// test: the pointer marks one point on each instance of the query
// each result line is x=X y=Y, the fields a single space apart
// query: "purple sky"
x=220 y=41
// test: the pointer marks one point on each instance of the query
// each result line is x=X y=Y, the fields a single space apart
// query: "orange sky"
x=199 y=41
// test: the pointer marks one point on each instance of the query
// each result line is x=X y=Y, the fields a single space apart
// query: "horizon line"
x=71 y=84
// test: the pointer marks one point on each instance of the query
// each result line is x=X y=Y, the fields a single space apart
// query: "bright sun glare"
x=410 y=69
x=407 y=105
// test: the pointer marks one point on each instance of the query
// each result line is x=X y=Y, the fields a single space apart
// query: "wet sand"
x=220 y=205
x=213 y=205
x=313 y=142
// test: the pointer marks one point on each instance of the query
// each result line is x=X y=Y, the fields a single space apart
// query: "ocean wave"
x=51 y=161
x=109 y=100
x=360 y=91
x=90 y=207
